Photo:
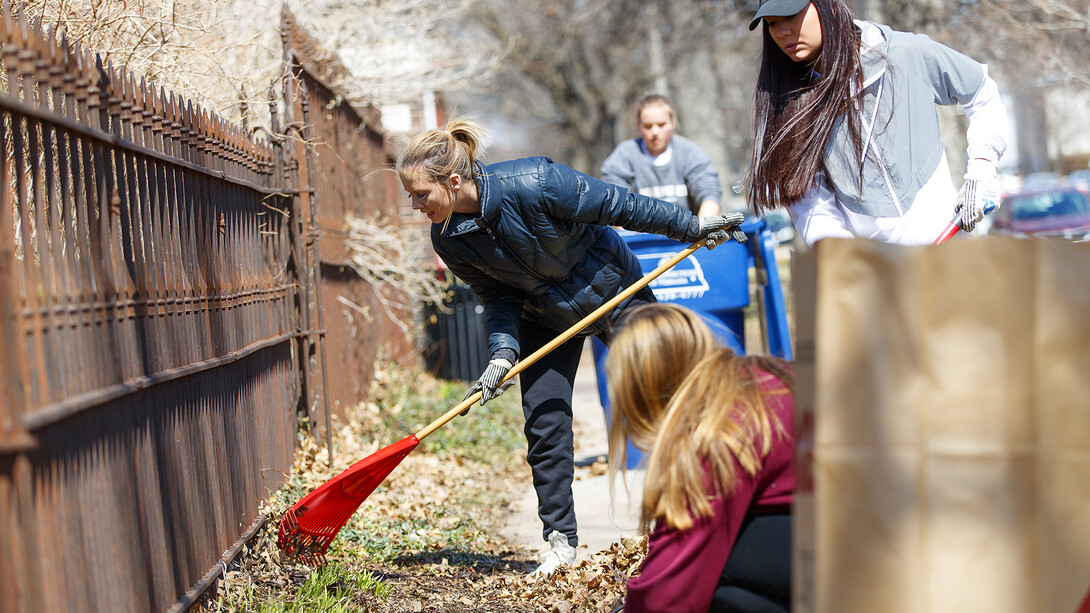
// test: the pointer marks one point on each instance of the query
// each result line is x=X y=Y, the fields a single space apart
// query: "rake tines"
x=309 y=527
x=298 y=544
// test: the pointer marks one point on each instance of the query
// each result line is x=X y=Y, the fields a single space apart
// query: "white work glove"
x=979 y=194
x=716 y=228
x=489 y=384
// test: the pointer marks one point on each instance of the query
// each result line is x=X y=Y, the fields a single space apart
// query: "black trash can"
x=457 y=344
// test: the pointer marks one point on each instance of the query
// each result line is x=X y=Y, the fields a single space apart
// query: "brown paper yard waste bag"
x=944 y=427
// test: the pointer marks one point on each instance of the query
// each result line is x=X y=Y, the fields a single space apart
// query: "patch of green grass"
x=332 y=588
x=491 y=433
x=384 y=540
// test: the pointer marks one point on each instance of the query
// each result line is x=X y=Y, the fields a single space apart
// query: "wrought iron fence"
x=160 y=314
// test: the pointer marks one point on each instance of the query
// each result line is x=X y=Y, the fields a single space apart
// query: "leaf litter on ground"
x=429 y=538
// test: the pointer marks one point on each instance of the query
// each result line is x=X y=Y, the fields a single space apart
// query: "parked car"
x=1080 y=180
x=779 y=224
x=1057 y=211
x=1044 y=178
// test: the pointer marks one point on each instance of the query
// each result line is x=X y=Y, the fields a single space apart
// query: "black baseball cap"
x=777 y=8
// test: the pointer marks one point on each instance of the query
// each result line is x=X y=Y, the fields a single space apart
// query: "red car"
x=1055 y=211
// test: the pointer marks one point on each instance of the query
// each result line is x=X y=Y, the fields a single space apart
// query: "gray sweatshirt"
x=683 y=174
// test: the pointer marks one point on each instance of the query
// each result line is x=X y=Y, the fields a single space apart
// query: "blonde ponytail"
x=442 y=153
x=469 y=133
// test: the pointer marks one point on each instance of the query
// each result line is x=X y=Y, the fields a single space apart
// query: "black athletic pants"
x=547 y=406
x=757 y=576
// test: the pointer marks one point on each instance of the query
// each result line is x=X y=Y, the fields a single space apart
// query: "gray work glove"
x=979 y=194
x=716 y=229
x=489 y=384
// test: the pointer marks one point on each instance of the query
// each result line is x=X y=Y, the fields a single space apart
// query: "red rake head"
x=308 y=528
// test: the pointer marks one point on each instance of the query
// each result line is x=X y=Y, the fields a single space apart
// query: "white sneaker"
x=560 y=552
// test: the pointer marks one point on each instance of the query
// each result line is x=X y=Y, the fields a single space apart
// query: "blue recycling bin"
x=714 y=283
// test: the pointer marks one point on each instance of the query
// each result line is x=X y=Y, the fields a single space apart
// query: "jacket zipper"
x=878 y=152
x=889 y=182
x=571 y=301
x=503 y=248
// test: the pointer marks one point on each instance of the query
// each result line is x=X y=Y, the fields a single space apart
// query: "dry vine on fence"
x=377 y=253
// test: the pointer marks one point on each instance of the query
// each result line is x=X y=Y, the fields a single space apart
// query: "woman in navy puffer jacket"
x=532 y=238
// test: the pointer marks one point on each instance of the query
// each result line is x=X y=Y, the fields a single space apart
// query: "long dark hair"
x=796 y=109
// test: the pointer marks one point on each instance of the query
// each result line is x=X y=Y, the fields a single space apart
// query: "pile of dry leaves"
x=596 y=584
x=430 y=534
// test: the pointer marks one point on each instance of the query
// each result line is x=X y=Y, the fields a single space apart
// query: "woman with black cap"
x=846 y=135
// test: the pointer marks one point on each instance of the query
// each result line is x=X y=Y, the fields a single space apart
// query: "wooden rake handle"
x=570 y=332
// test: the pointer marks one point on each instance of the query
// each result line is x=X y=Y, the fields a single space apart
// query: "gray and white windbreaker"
x=907 y=195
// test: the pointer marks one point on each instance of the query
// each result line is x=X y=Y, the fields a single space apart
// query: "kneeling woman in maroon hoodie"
x=717 y=429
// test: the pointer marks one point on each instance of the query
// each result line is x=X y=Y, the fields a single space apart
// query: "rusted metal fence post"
x=306 y=253
x=18 y=579
x=313 y=235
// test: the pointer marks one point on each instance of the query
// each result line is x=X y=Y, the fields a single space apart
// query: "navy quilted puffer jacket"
x=543 y=247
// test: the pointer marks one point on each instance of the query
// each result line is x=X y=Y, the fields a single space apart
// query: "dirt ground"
x=431 y=531
x=490 y=578
x=498 y=584
x=494 y=580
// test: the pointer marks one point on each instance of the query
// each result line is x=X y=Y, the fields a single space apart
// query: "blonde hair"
x=655 y=100
x=654 y=349
x=707 y=412
x=442 y=153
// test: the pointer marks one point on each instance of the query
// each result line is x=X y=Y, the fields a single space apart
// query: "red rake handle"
x=570 y=332
x=954 y=227
x=951 y=229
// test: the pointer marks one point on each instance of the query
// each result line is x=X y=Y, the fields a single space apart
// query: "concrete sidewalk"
x=602 y=520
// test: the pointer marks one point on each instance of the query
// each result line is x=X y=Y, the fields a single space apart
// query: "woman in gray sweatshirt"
x=662 y=164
